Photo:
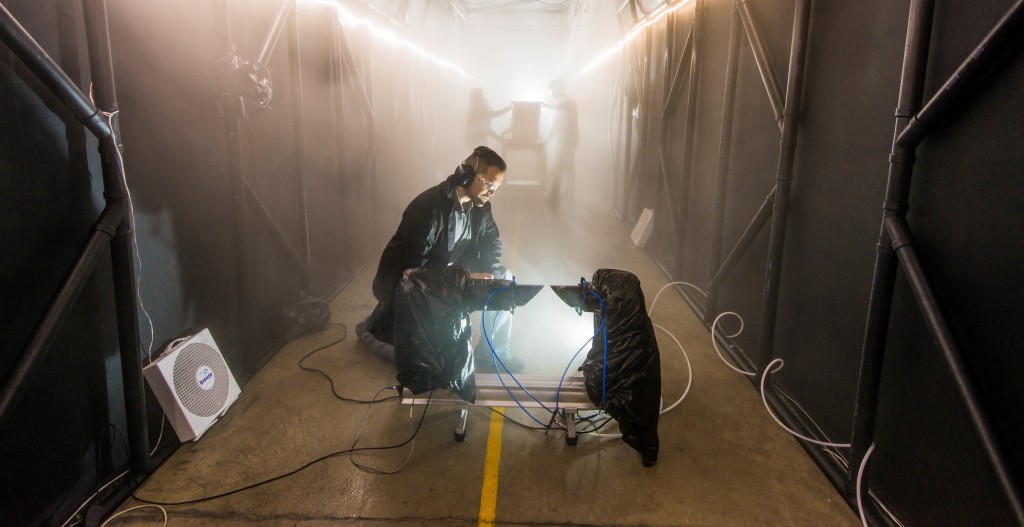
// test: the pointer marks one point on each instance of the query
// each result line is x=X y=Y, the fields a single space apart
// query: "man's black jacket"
x=425 y=238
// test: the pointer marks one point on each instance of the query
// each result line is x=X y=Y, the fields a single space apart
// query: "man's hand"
x=481 y=276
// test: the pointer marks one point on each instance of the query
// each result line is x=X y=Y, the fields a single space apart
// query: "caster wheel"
x=459 y=437
x=571 y=441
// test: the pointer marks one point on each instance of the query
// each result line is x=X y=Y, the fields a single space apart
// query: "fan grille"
x=199 y=401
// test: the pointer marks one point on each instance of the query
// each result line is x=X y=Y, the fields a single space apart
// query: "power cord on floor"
x=768 y=370
x=764 y=399
x=328 y=377
x=359 y=432
x=714 y=341
x=347 y=451
x=860 y=476
x=137 y=507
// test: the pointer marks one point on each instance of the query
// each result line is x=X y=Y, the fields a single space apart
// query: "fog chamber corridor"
x=646 y=263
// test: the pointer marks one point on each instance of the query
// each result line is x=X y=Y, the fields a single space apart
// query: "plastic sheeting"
x=433 y=347
x=632 y=383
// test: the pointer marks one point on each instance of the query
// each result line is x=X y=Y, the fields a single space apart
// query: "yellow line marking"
x=489 y=490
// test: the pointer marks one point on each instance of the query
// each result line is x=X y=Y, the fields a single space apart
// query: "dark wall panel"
x=930 y=466
x=965 y=215
x=361 y=103
x=839 y=184
x=55 y=445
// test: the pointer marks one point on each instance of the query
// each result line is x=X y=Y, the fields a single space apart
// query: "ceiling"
x=527 y=15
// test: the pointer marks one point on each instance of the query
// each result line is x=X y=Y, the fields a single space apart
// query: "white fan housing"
x=193 y=384
x=642 y=230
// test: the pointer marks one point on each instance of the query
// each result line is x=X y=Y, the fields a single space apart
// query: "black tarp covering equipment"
x=433 y=347
x=629 y=387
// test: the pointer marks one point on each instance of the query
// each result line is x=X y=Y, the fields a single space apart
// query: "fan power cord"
x=328 y=377
x=347 y=451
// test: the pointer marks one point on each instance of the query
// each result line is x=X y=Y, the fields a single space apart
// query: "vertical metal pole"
x=67 y=28
x=794 y=85
x=901 y=166
x=640 y=78
x=337 y=108
x=299 y=123
x=627 y=159
x=123 y=263
x=231 y=107
x=724 y=158
x=725 y=141
x=690 y=137
x=671 y=90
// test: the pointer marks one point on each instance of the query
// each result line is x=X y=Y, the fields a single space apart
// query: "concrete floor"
x=723 y=461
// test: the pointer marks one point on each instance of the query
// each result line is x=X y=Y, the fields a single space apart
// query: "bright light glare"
x=350 y=19
x=658 y=14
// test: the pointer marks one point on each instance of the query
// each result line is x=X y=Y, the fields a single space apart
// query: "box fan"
x=193 y=384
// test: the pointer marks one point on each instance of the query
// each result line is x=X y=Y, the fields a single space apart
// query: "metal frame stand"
x=572 y=397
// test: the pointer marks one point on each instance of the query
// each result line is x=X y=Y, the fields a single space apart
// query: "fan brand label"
x=204 y=377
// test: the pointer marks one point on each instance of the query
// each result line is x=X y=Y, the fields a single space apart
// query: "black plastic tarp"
x=433 y=347
x=630 y=390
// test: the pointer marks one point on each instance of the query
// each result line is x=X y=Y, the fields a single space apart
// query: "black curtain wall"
x=241 y=206
x=762 y=136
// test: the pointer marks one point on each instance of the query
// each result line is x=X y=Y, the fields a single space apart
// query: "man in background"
x=478 y=119
x=562 y=142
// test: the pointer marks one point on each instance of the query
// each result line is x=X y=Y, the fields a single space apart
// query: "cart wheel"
x=459 y=437
x=571 y=441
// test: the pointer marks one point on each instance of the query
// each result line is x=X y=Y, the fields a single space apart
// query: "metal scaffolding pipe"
x=901 y=166
x=764 y=65
x=761 y=217
x=122 y=255
x=725 y=141
x=349 y=65
x=18 y=378
x=112 y=222
x=299 y=126
x=776 y=243
x=270 y=42
x=670 y=103
x=937 y=322
x=233 y=110
x=644 y=95
x=42 y=66
x=996 y=43
x=689 y=132
x=268 y=220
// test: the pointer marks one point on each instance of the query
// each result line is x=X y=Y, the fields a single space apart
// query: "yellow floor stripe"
x=489 y=490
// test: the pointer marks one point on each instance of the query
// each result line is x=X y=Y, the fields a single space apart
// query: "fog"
x=368 y=109
x=512 y=58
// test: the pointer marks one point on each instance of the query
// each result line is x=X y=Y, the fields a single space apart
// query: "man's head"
x=487 y=175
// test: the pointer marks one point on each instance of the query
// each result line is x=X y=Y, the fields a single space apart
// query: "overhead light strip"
x=653 y=17
x=348 y=18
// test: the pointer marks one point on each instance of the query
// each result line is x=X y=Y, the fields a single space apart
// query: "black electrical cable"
x=300 y=469
x=328 y=377
x=598 y=427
